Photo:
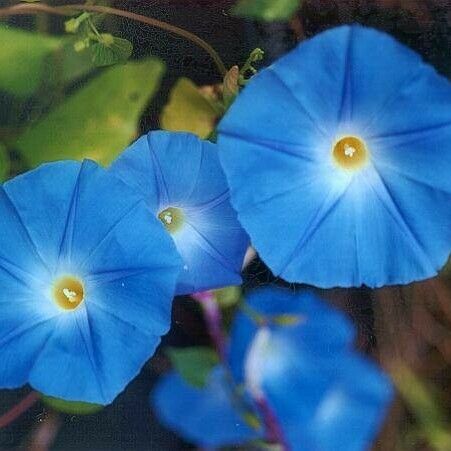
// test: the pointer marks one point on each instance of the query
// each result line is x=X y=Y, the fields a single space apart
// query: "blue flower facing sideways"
x=291 y=376
x=87 y=282
x=338 y=158
x=181 y=180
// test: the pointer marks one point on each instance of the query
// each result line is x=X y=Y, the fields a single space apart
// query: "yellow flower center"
x=350 y=153
x=172 y=218
x=68 y=292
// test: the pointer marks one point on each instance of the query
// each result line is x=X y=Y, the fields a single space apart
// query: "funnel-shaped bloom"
x=210 y=416
x=292 y=376
x=338 y=158
x=86 y=282
x=295 y=354
x=181 y=180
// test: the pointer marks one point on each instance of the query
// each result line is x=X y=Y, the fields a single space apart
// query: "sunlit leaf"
x=188 y=110
x=108 y=53
x=267 y=10
x=425 y=406
x=99 y=120
x=71 y=407
x=194 y=364
x=29 y=60
x=22 y=59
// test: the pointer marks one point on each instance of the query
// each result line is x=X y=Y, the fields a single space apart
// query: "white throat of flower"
x=253 y=371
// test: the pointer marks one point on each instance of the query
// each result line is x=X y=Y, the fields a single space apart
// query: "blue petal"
x=179 y=170
x=204 y=416
x=322 y=394
x=24 y=330
x=45 y=216
x=328 y=224
x=329 y=405
x=319 y=327
x=103 y=233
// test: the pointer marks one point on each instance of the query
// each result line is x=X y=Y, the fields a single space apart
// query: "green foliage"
x=111 y=51
x=194 y=364
x=105 y=49
x=4 y=163
x=248 y=70
x=228 y=297
x=99 y=120
x=188 y=110
x=426 y=408
x=22 y=59
x=29 y=61
x=267 y=10
x=71 y=407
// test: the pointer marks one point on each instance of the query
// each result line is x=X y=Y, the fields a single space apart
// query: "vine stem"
x=68 y=10
x=17 y=410
x=272 y=426
x=213 y=319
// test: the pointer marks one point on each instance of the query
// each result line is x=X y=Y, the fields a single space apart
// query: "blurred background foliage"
x=86 y=86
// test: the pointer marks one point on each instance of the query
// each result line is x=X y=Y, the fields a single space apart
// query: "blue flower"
x=292 y=372
x=298 y=358
x=182 y=182
x=210 y=416
x=338 y=158
x=87 y=282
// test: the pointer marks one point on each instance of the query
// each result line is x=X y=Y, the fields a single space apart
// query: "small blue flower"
x=338 y=158
x=299 y=360
x=181 y=180
x=87 y=282
x=291 y=353
x=210 y=416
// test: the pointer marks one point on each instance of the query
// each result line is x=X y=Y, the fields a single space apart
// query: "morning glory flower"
x=291 y=376
x=87 y=282
x=338 y=159
x=294 y=352
x=211 y=416
x=181 y=180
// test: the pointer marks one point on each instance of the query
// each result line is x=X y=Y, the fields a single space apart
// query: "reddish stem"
x=213 y=319
x=274 y=432
x=16 y=411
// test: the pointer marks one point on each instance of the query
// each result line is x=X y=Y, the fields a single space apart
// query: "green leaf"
x=228 y=296
x=71 y=407
x=189 y=111
x=111 y=51
x=22 y=59
x=99 y=120
x=29 y=60
x=4 y=163
x=267 y=10
x=425 y=406
x=194 y=364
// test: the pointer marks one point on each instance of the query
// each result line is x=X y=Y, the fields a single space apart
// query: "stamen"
x=350 y=153
x=172 y=218
x=68 y=292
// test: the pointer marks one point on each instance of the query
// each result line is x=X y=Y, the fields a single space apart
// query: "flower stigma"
x=350 y=153
x=68 y=292
x=172 y=218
